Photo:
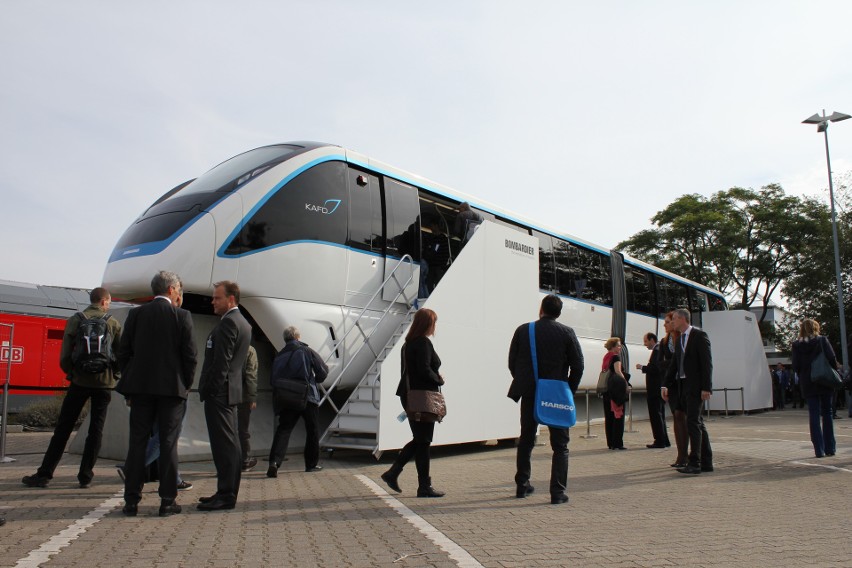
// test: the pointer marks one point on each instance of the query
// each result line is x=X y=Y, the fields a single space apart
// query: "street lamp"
x=822 y=126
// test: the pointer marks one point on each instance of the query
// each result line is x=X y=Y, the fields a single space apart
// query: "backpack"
x=92 y=352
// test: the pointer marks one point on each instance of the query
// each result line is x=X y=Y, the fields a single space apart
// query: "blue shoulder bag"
x=554 y=401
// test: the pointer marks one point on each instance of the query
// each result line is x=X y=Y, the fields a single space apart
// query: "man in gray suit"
x=221 y=390
x=157 y=356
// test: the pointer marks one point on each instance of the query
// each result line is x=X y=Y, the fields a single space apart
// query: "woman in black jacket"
x=420 y=364
x=805 y=349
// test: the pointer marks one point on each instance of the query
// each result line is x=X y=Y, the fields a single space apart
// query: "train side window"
x=313 y=206
x=365 y=212
x=717 y=303
x=566 y=267
x=640 y=290
x=671 y=295
x=546 y=270
x=598 y=272
x=402 y=208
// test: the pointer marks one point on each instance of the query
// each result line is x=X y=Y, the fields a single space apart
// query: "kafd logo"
x=327 y=208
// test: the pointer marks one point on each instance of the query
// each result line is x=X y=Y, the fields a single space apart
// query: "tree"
x=741 y=241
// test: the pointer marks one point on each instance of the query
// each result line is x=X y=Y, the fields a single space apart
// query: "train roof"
x=35 y=299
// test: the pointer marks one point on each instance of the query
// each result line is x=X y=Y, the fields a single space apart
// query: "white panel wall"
x=486 y=294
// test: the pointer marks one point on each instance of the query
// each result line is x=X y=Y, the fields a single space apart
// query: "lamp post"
x=822 y=126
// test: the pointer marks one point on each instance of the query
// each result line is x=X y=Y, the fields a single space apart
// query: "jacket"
x=108 y=378
x=558 y=352
x=288 y=366
x=420 y=363
x=250 y=376
x=804 y=352
x=697 y=363
x=224 y=357
x=157 y=355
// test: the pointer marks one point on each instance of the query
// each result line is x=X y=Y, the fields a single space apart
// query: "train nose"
x=188 y=253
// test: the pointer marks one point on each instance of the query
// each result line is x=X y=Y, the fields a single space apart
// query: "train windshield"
x=179 y=207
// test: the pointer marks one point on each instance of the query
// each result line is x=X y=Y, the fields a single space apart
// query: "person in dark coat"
x=221 y=390
x=157 y=356
x=615 y=395
x=420 y=371
x=805 y=349
x=653 y=385
x=690 y=373
x=296 y=361
x=559 y=357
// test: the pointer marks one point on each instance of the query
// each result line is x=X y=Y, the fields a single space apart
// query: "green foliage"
x=741 y=241
x=44 y=413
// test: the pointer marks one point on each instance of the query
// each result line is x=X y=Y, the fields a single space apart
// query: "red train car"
x=31 y=352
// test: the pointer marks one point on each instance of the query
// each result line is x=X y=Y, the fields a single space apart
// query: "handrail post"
x=726 y=402
x=6 y=382
x=742 y=400
x=588 y=418
x=630 y=429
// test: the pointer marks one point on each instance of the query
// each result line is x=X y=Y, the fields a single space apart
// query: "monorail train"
x=309 y=231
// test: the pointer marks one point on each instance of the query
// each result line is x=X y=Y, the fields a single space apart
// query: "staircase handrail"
x=326 y=392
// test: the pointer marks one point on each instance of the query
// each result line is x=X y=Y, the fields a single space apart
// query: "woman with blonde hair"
x=615 y=395
x=805 y=349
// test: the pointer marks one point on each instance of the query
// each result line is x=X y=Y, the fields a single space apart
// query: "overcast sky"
x=585 y=116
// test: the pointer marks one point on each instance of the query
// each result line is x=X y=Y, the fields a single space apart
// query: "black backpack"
x=92 y=352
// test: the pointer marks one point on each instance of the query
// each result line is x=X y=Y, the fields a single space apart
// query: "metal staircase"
x=356 y=423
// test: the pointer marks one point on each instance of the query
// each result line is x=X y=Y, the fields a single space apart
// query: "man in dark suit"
x=653 y=386
x=221 y=390
x=558 y=353
x=690 y=375
x=157 y=356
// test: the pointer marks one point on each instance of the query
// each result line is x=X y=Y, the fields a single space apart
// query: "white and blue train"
x=312 y=232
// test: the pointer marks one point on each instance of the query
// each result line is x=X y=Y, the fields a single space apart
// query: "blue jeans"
x=152 y=452
x=819 y=406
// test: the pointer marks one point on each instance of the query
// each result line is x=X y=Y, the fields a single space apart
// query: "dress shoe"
x=429 y=492
x=391 y=477
x=249 y=464
x=706 y=468
x=655 y=445
x=208 y=499
x=167 y=509
x=558 y=499
x=120 y=470
x=35 y=480
x=524 y=490
x=217 y=504
x=620 y=448
x=85 y=484
x=313 y=469
x=690 y=470
x=678 y=464
x=829 y=454
x=184 y=486
x=272 y=471
x=130 y=510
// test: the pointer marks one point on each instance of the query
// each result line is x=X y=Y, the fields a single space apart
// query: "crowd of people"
x=155 y=358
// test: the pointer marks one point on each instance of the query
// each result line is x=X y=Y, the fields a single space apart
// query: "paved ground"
x=770 y=502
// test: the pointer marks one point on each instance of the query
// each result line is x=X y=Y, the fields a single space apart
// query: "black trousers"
x=657 y=412
x=614 y=427
x=243 y=420
x=72 y=406
x=287 y=420
x=700 y=452
x=419 y=448
x=221 y=420
x=558 y=444
x=146 y=410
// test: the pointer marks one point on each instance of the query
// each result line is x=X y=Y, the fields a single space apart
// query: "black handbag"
x=291 y=395
x=822 y=373
x=422 y=405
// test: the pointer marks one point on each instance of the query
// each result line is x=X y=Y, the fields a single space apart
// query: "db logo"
x=17 y=354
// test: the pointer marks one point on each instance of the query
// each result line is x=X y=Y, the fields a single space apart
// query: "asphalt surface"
x=769 y=502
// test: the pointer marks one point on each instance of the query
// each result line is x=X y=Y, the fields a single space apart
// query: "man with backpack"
x=87 y=357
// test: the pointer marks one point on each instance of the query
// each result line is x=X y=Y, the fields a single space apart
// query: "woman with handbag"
x=420 y=366
x=615 y=395
x=681 y=434
x=808 y=347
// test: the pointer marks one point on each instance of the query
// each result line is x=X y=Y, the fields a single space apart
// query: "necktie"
x=681 y=374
